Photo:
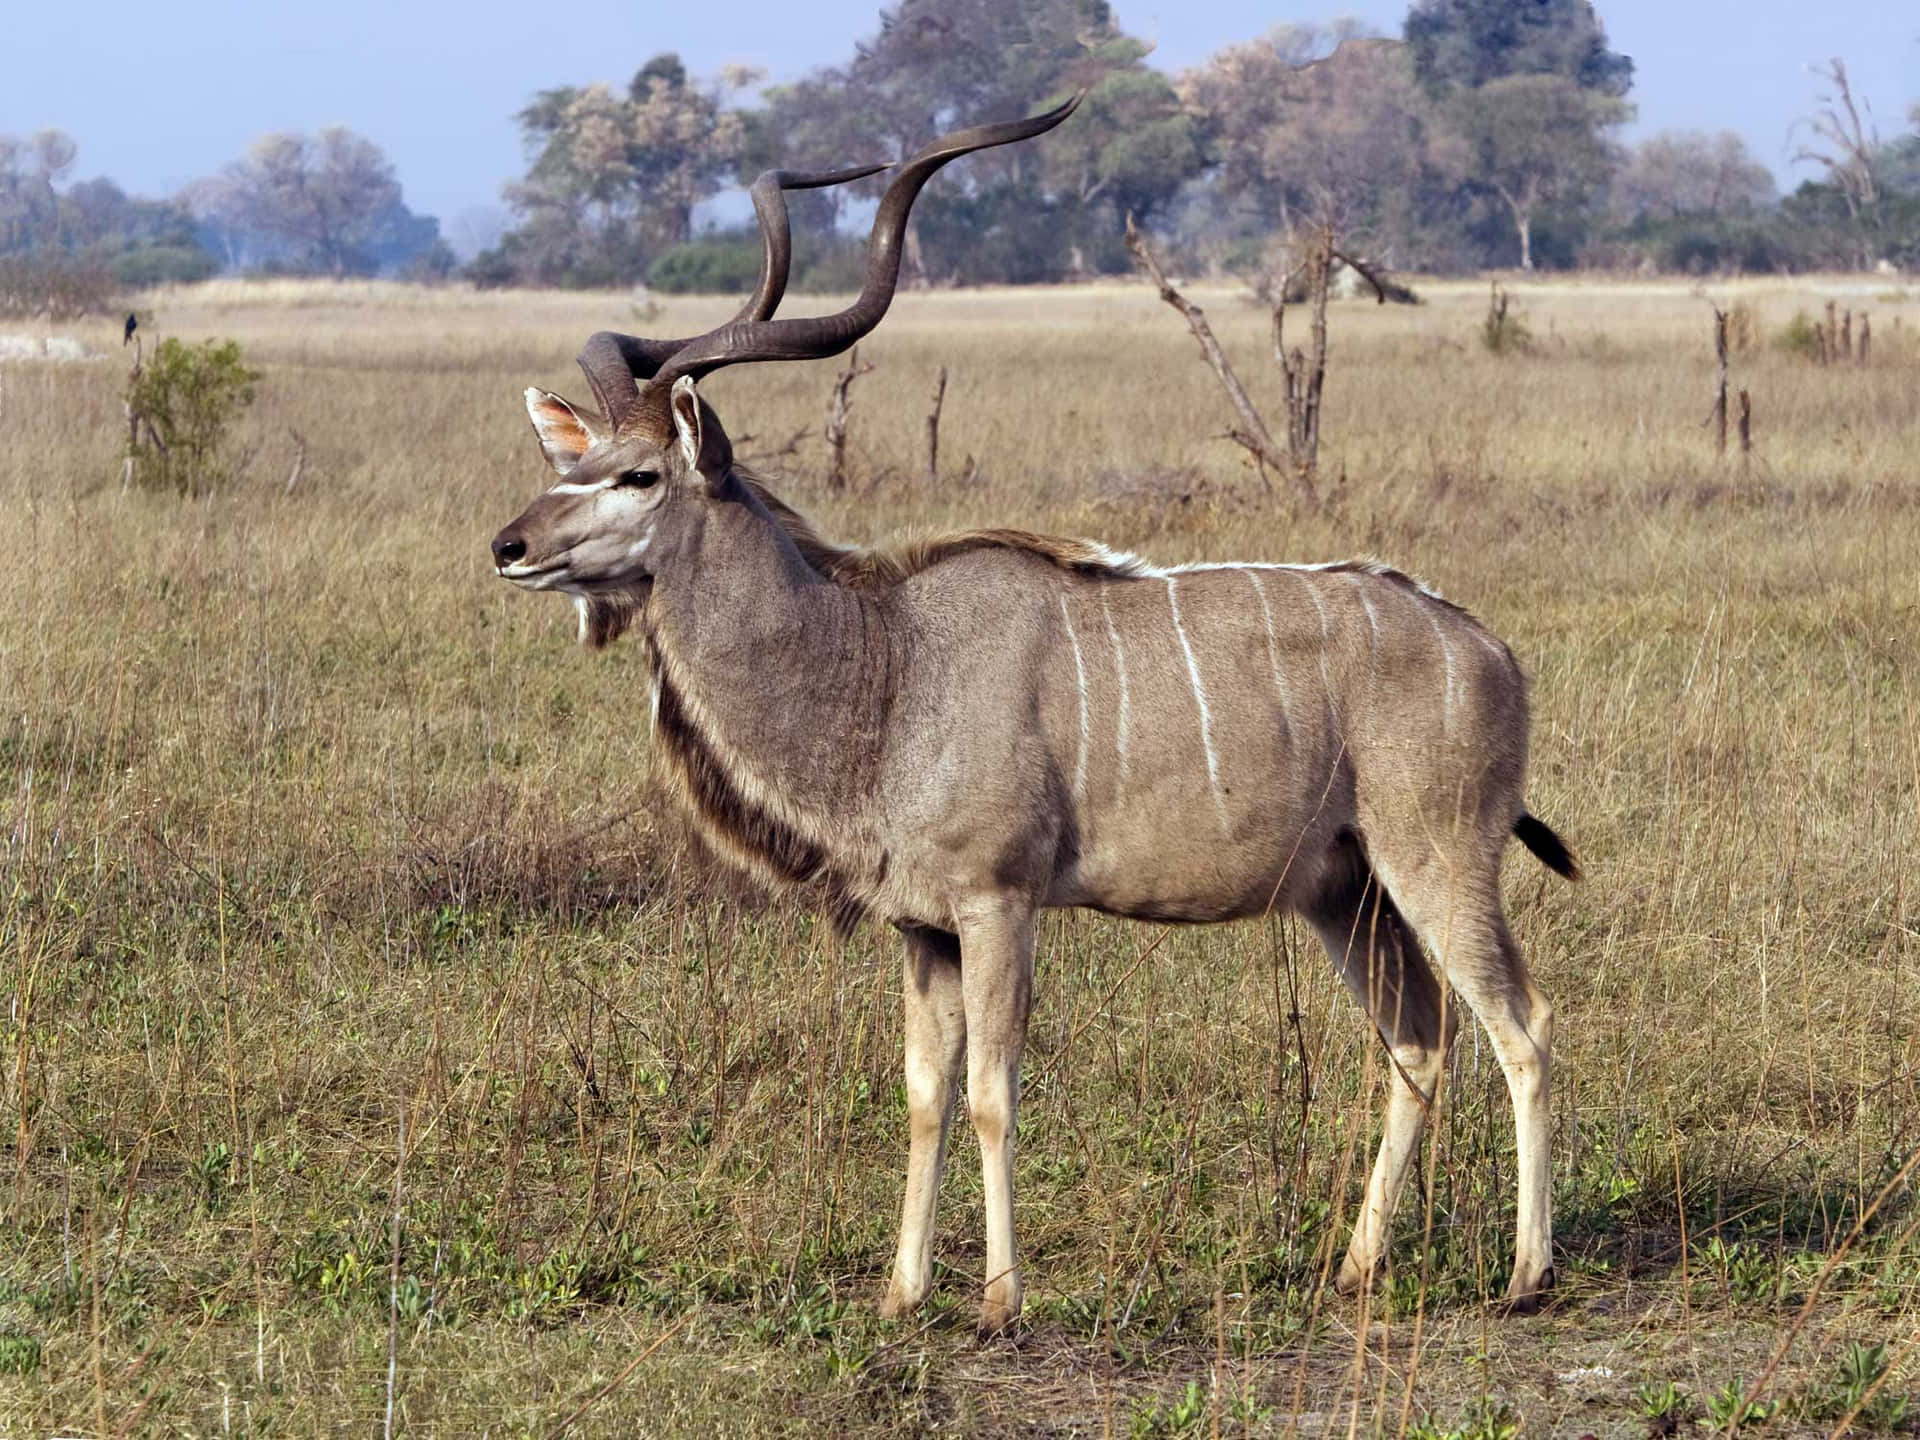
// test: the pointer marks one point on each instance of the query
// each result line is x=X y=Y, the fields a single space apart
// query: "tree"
x=1536 y=140
x=1847 y=148
x=613 y=178
x=1130 y=149
x=1316 y=125
x=1464 y=44
x=328 y=203
x=29 y=206
x=1690 y=172
x=1020 y=214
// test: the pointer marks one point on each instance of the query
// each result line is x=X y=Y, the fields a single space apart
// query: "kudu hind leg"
x=1375 y=952
x=1466 y=930
x=996 y=980
x=936 y=1042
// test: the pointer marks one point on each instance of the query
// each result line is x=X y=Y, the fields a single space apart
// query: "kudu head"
x=636 y=476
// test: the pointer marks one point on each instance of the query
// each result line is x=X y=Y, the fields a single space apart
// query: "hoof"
x=896 y=1306
x=997 y=1318
x=1524 y=1298
x=1355 y=1277
x=901 y=1300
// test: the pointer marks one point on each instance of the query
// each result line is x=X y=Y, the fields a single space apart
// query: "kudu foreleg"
x=996 y=980
x=936 y=1040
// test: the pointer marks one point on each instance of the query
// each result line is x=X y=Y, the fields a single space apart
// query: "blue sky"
x=159 y=94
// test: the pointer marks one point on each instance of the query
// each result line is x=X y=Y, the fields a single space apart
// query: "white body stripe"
x=1200 y=700
x=1446 y=653
x=1373 y=625
x=1120 y=668
x=1326 y=639
x=1080 y=676
x=1273 y=651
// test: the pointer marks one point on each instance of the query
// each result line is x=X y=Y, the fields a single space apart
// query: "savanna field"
x=375 y=1044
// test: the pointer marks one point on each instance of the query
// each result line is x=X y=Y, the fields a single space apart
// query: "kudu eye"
x=641 y=478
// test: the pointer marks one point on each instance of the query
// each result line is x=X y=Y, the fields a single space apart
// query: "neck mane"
x=880 y=567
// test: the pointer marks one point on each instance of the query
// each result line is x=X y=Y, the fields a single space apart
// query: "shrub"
x=54 y=284
x=163 y=265
x=1504 y=331
x=1799 y=337
x=717 y=265
x=186 y=398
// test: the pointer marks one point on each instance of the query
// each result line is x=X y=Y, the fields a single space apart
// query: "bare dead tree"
x=933 y=425
x=1303 y=372
x=1746 y=425
x=1252 y=433
x=1866 y=339
x=836 y=432
x=1843 y=144
x=1846 y=335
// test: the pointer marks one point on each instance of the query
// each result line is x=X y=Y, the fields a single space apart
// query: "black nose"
x=508 y=547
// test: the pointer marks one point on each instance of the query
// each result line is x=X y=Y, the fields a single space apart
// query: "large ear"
x=703 y=443
x=565 y=433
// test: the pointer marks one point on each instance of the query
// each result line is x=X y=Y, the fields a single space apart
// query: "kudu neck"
x=783 y=666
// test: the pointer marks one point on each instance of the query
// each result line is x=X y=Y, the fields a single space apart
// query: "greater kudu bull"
x=953 y=736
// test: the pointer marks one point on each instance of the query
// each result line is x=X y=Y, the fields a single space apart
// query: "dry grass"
x=331 y=874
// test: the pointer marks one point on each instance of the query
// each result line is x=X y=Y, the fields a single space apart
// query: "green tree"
x=1027 y=212
x=613 y=178
x=1319 y=125
x=1536 y=140
x=29 y=205
x=328 y=203
x=1464 y=44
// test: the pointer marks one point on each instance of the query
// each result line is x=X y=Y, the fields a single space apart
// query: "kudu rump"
x=953 y=735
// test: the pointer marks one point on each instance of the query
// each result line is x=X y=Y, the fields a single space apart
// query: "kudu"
x=952 y=736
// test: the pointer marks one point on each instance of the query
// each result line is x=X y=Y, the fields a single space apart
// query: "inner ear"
x=687 y=423
x=565 y=433
x=703 y=440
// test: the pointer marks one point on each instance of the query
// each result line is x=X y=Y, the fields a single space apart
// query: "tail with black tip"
x=1547 y=847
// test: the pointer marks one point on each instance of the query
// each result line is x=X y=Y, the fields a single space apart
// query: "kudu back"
x=953 y=736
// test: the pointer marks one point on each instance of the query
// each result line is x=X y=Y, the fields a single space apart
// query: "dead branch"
x=933 y=425
x=1305 y=374
x=836 y=431
x=133 y=416
x=1367 y=273
x=1251 y=433
x=1850 y=144
x=1717 y=417
x=741 y=443
x=299 y=461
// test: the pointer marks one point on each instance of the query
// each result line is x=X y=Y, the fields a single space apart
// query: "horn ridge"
x=612 y=361
x=746 y=339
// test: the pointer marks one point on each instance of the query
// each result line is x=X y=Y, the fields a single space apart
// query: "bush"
x=837 y=269
x=163 y=265
x=54 y=284
x=186 y=398
x=1799 y=337
x=1504 y=331
x=717 y=265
